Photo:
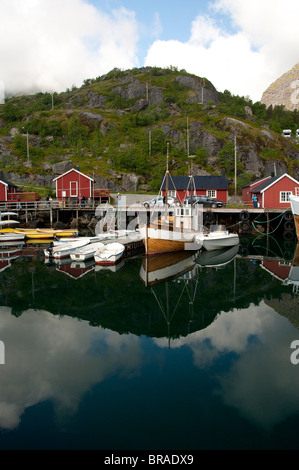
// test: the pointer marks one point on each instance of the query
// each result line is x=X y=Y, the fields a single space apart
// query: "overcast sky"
x=239 y=45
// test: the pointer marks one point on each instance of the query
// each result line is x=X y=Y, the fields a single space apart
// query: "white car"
x=159 y=202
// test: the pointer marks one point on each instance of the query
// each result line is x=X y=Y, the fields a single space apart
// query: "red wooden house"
x=72 y=184
x=246 y=194
x=273 y=192
x=7 y=190
x=180 y=187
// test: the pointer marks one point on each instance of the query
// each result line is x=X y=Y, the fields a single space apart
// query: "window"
x=211 y=193
x=172 y=193
x=285 y=196
x=297 y=191
x=73 y=188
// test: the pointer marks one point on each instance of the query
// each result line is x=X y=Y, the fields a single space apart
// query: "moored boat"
x=109 y=253
x=217 y=237
x=46 y=234
x=64 y=250
x=294 y=200
x=86 y=252
x=8 y=234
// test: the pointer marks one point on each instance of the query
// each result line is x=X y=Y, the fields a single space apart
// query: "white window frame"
x=171 y=193
x=72 y=189
x=297 y=191
x=284 y=196
x=211 y=193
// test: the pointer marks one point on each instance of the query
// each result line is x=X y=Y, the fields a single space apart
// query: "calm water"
x=97 y=359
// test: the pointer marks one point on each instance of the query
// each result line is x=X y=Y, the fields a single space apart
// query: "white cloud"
x=51 y=45
x=247 y=61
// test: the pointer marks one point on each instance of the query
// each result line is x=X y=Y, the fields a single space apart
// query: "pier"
x=241 y=219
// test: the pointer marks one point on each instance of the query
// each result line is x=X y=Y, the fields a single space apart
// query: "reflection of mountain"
x=120 y=302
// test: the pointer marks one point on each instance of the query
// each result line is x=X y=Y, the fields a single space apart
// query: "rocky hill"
x=284 y=91
x=116 y=129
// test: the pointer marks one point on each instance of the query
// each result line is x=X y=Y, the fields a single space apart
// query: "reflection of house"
x=212 y=186
x=279 y=269
x=76 y=270
x=272 y=191
x=73 y=183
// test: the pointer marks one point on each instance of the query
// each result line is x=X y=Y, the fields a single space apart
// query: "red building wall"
x=3 y=196
x=271 y=196
x=246 y=195
x=72 y=184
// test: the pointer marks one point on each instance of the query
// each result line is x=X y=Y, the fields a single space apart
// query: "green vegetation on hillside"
x=99 y=128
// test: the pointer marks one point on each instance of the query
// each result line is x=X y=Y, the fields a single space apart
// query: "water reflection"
x=221 y=321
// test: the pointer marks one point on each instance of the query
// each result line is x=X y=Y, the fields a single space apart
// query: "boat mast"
x=167 y=178
x=192 y=187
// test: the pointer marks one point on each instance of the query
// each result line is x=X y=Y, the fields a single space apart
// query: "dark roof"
x=265 y=184
x=4 y=180
x=256 y=181
x=200 y=182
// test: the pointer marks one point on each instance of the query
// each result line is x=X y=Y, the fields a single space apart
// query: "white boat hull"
x=11 y=237
x=64 y=251
x=86 y=252
x=109 y=254
x=210 y=242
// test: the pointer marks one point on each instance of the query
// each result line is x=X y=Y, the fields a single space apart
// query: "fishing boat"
x=217 y=237
x=64 y=251
x=109 y=254
x=171 y=233
x=294 y=200
x=86 y=252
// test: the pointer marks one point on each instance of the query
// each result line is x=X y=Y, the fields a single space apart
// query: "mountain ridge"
x=116 y=129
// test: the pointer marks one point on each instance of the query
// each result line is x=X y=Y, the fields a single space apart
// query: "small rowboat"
x=64 y=250
x=109 y=254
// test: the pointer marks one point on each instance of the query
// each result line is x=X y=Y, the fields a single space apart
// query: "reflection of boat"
x=11 y=252
x=217 y=238
x=113 y=267
x=294 y=200
x=64 y=250
x=109 y=254
x=217 y=257
x=166 y=266
x=293 y=277
x=86 y=252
